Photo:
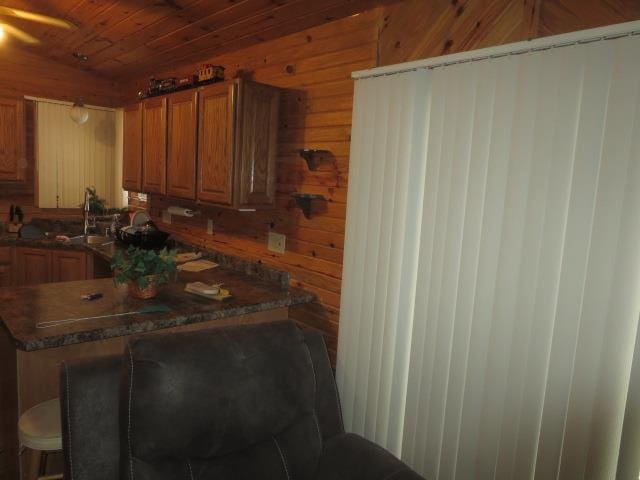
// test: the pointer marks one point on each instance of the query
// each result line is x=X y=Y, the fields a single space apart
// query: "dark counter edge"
x=296 y=297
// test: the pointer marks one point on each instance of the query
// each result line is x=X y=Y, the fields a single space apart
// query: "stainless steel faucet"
x=86 y=212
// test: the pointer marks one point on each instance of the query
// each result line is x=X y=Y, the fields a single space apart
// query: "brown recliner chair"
x=247 y=402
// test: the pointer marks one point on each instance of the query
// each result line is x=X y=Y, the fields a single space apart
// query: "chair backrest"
x=236 y=402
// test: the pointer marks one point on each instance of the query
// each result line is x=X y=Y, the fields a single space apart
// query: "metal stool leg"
x=42 y=469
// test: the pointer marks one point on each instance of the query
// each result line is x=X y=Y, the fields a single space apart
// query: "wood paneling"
x=36 y=74
x=154 y=145
x=416 y=29
x=125 y=37
x=132 y=148
x=13 y=162
x=215 y=152
x=562 y=16
x=181 y=144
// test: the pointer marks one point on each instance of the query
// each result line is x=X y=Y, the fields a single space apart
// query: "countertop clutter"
x=255 y=288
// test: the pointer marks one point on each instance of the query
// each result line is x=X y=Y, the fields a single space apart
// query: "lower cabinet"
x=67 y=266
x=6 y=267
x=39 y=265
x=33 y=266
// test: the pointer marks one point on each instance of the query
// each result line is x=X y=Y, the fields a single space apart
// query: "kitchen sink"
x=90 y=240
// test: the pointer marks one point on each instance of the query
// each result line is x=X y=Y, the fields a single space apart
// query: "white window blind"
x=71 y=157
x=491 y=286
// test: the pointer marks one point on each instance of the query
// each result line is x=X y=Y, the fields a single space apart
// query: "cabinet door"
x=215 y=143
x=181 y=144
x=6 y=278
x=132 y=148
x=5 y=275
x=13 y=162
x=154 y=145
x=33 y=266
x=68 y=266
x=256 y=144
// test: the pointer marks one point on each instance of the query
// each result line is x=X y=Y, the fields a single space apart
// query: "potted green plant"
x=143 y=271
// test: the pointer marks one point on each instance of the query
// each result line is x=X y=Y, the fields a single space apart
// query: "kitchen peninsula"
x=31 y=356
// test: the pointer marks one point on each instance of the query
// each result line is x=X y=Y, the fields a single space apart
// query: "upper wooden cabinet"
x=238 y=124
x=132 y=151
x=216 y=145
x=154 y=145
x=256 y=136
x=12 y=140
x=181 y=144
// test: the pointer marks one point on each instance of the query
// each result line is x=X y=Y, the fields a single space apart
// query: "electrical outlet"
x=166 y=217
x=276 y=242
x=209 y=227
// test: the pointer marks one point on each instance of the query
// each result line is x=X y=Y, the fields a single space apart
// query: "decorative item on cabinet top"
x=206 y=75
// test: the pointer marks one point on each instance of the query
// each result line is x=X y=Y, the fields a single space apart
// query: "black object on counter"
x=32 y=232
x=147 y=238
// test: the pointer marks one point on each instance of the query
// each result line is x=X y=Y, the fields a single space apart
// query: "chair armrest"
x=351 y=457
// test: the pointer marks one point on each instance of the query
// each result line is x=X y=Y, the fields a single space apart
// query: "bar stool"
x=39 y=429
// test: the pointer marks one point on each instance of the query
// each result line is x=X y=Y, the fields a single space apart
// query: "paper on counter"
x=188 y=256
x=197 y=266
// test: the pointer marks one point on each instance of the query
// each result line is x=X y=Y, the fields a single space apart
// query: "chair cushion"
x=207 y=400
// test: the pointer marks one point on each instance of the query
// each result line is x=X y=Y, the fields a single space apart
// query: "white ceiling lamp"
x=79 y=113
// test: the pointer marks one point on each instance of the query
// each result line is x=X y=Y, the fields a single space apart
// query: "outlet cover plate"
x=276 y=242
x=166 y=217
x=209 y=227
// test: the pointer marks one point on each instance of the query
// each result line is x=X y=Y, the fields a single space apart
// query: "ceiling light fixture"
x=80 y=56
x=79 y=113
x=1 y=32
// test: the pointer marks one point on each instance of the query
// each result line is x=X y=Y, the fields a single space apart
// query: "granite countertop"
x=13 y=240
x=21 y=308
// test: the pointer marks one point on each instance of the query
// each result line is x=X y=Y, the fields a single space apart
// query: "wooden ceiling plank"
x=290 y=26
x=252 y=28
x=93 y=27
x=149 y=32
x=218 y=22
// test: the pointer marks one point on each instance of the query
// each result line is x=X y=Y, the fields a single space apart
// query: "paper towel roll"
x=182 y=212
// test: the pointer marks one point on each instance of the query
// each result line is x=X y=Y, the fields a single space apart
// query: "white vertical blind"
x=491 y=286
x=72 y=157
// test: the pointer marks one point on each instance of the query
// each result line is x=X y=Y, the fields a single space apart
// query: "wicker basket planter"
x=150 y=291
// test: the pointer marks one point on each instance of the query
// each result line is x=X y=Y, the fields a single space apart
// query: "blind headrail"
x=609 y=32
